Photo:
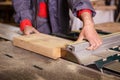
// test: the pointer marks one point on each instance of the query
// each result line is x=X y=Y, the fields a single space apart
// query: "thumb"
x=37 y=32
x=80 y=38
x=26 y=32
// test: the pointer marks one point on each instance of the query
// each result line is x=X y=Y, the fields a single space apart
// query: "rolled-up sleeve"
x=22 y=9
x=77 y=5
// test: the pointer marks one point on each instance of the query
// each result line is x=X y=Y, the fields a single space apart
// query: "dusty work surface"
x=9 y=31
x=108 y=27
x=19 y=64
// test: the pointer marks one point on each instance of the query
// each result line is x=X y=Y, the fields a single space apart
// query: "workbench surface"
x=19 y=64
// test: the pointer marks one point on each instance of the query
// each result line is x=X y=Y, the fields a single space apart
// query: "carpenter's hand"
x=30 y=30
x=89 y=33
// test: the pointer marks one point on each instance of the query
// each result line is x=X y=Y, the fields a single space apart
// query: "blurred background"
x=107 y=11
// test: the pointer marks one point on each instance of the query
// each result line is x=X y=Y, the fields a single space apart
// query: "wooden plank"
x=100 y=5
x=46 y=45
x=114 y=66
x=105 y=7
x=98 y=2
x=109 y=27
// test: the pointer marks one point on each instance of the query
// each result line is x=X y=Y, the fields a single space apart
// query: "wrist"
x=88 y=23
x=87 y=19
x=25 y=23
x=82 y=11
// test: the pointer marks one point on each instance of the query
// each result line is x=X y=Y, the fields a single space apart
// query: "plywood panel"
x=46 y=45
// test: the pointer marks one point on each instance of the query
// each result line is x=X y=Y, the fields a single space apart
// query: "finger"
x=98 y=44
x=91 y=47
x=76 y=42
x=27 y=33
x=95 y=44
x=36 y=31
x=33 y=31
x=80 y=38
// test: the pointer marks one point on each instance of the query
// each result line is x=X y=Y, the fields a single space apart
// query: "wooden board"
x=46 y=45
x=105 y=7
x=114 y=66
x=108 y=27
